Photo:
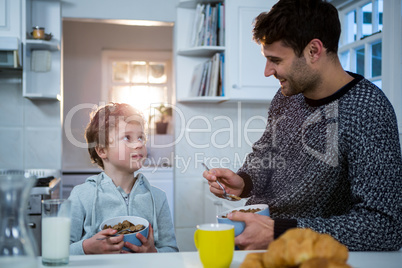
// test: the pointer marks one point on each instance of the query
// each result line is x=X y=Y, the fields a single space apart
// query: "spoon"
x=230 y=197
x=103 y=238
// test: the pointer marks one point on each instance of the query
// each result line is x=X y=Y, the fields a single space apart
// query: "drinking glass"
x=56 y=223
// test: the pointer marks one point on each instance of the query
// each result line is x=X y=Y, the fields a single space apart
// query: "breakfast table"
x=191 y=260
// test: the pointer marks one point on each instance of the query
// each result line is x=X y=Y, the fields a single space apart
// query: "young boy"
x=116 y=142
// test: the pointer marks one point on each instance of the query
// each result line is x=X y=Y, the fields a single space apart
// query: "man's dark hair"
x=297 y=22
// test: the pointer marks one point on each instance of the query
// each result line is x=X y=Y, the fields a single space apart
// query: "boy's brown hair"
x=105 y=118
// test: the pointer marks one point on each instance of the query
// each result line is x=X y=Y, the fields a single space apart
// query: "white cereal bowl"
x=129 y=237
x=240 y=225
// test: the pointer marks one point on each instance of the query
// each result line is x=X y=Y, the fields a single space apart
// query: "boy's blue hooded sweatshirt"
x=99 y=199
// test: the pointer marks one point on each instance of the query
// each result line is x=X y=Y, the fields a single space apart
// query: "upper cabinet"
x=10 y=38
x=240 y=70
x=41 y=54
x=245 y=64
x=10 y=26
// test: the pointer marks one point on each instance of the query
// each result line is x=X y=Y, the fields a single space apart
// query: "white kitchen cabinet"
x=244 y=65
x=244 y=62
x=39 y=82
x=10 y=26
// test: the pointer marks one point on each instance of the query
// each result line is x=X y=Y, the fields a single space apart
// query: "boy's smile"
x=136 y=156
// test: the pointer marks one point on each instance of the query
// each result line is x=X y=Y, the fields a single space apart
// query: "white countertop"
x=191 y=260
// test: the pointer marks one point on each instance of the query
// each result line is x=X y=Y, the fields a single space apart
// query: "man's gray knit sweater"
x=333 y=165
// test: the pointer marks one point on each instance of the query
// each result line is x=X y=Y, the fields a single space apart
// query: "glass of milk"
x=56 y=223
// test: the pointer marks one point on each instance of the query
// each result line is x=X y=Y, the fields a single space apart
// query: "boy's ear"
x=101 y=151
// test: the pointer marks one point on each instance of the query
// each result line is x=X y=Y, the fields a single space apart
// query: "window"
x=141 y=79
x=361 y=41
x=366 y=48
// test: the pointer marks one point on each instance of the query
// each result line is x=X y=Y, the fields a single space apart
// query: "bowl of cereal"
x=239 y=226
x=133 y=223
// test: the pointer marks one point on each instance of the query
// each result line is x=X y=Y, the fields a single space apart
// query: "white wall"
x=392 y=56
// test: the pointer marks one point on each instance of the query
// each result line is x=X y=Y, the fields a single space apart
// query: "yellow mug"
x=215 y=244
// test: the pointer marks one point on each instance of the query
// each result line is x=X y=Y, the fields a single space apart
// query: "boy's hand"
x=148 y=245
x=110 y=245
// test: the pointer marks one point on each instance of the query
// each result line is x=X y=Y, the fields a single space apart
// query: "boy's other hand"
x=110 y=245
x=148 y=245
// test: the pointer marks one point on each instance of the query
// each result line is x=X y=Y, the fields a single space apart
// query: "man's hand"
x=148 y=245
x=232 y=182
x=110 y=245
x=258 y=233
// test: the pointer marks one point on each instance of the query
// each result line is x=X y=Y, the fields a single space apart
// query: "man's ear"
x=314 y=50
x=101 y=151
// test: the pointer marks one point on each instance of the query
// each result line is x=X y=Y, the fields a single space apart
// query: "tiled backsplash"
x=30 y=131
x=214 y=134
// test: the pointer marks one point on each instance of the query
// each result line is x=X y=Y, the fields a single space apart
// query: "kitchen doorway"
x=84 y=42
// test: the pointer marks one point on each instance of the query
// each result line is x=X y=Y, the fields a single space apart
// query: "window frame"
x=365 y=43
x=109 y=56
x=391 y=37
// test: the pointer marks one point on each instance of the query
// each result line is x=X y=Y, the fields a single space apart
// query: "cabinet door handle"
x=32 y=225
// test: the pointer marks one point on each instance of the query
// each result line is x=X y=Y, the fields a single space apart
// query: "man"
x=334 y=133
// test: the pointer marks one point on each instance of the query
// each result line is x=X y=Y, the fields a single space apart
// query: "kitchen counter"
x=191 y=259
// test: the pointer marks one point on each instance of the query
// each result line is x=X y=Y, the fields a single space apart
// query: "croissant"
x=303 y=248
x=253 y=260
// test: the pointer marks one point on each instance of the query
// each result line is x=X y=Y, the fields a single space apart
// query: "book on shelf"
x=207 y=79
x=221 y=25
x=196 y=79
x=208 y=25
x=221 y=90
x=197 y=35
x=205 y=91
x=197 y=24
x=213 y=82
